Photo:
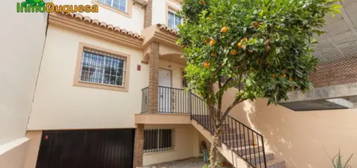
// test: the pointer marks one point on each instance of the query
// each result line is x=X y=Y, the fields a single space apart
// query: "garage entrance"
x=87 y=149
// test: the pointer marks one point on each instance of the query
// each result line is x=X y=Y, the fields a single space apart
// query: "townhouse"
x=107 y=90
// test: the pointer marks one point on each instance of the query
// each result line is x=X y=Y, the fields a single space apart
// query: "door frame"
x=169 y=102
x=171 y=77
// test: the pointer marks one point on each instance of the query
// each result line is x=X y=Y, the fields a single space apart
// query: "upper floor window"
x=173 y=20
x=117 y=4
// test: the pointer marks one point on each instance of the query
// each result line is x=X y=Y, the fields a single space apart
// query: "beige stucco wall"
x=12 y=154
x=22 y=38
x=60 y=105
x=33 y=148
x=134 y=23
x=186 y=140
x=304 y=139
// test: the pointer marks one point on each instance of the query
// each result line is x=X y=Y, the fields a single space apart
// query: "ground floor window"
x=156 y=140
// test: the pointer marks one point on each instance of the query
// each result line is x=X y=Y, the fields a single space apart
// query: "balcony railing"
x=170 y=101
x=245 y=142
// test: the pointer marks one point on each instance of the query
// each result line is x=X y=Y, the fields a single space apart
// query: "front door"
x=164 y=91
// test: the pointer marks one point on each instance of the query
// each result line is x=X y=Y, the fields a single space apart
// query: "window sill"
x=100 y=86
x=157 y=152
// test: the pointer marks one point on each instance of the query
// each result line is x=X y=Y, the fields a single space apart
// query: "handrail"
x=245 y=142
x=170 y=100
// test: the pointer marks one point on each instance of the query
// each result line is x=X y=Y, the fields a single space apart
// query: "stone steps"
x=241 y=145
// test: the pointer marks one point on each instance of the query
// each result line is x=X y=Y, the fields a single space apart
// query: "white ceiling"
x=340 y=39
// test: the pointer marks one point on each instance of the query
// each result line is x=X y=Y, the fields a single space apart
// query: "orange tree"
x=263 y=48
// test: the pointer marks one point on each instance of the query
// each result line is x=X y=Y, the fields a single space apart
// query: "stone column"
x=153 y=77
x=139 y=146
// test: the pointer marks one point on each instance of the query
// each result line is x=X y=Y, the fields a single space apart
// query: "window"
x=117 y=4
x=102 y=68
x=173 y=20
x=157 y=140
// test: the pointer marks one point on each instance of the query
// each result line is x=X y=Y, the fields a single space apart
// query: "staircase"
x=241 y=145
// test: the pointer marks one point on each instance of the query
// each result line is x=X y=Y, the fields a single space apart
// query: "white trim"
x=12 y=144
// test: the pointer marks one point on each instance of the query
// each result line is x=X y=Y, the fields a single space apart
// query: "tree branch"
x=235 y=102
x=219 y=95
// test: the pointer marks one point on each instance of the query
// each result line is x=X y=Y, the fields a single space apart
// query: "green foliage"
x=262 y=47
x=338 y=163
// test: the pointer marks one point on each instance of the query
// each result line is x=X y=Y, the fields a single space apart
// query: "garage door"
x=87 y=149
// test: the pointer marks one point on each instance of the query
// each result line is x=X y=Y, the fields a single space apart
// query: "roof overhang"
x=161 y=34
x=96 y=28
x=324 y=98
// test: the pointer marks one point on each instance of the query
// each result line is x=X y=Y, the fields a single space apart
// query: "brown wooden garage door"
x=87 y=149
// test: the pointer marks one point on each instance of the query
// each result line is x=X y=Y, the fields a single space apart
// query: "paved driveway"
x=188 y=163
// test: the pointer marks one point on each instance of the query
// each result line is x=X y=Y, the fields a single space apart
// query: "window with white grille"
x=173 y=20
x=102 y=68
x=117 y=4
x=157 y=140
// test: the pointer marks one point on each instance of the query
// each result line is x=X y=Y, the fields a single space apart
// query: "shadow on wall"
x=303 y=139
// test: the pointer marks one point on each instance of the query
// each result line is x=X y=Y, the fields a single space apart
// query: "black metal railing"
x=238 y=137
x=170 y=100
x=245 y=142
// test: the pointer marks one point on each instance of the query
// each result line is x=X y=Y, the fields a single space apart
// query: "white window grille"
x=102 y=68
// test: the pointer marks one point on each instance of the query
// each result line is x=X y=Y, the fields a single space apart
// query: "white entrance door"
x=165 y=91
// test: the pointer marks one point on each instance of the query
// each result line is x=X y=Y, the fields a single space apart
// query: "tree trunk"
x=214 y=163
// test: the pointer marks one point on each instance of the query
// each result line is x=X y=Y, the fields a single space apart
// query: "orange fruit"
x=206 y=64
x=233 y=52
x=241 y=43
x=224 y=29
x=212 y=42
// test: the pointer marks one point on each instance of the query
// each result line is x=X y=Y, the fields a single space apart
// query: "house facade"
x=106 y=60
x=111 y=84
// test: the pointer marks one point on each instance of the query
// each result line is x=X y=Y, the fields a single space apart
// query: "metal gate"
x=87 y=149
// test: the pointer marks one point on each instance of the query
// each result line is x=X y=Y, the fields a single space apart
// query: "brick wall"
x=341 y=71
